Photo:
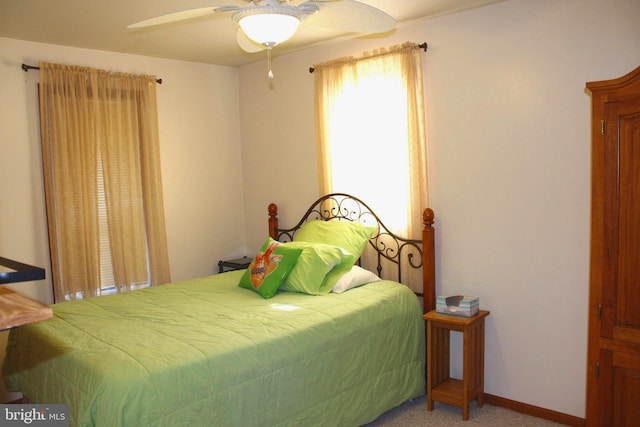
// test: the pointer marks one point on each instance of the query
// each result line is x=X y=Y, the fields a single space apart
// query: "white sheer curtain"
x=370 y=131
x=102 y=180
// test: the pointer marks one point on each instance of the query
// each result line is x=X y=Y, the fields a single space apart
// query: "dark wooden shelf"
x=21 y=272
x=234 y=264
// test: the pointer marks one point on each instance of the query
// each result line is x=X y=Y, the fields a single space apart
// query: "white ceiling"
x=101 y=25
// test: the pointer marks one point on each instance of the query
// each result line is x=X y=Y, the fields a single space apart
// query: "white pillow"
x=355 y=277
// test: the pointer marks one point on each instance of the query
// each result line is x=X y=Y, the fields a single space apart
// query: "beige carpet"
x=414 y=414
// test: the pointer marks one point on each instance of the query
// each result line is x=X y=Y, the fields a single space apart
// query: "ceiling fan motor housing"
x=271 y=9
x=271 y=24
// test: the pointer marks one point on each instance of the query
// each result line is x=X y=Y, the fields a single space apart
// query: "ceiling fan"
x=262 y=24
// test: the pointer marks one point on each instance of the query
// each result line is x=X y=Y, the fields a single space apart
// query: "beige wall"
x=509 y=156
x=200 y=154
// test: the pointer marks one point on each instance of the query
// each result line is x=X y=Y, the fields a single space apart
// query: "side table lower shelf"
x=450 y=391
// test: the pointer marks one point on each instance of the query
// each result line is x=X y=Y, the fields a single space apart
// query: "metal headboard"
x=344 y=207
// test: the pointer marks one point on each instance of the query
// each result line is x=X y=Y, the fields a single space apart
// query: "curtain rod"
x=26 y=67
x=424 y=46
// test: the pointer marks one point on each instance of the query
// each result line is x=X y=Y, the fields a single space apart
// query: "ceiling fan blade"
x=247 y=44
x=349 y=15
x=180 y=16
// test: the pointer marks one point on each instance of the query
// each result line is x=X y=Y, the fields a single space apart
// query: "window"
x=102 y=181
x=371 y=135
x=368 y=144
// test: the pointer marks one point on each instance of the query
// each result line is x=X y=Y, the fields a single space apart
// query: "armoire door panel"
x=619 y=390
x=610 y=175
x=627 y=296
x=626 y=390
x=621 y=284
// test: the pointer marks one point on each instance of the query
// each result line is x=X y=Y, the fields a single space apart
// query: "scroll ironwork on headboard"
x=388 y=246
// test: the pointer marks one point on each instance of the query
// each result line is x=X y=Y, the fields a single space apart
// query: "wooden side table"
x=234 y=264
x=440 y=386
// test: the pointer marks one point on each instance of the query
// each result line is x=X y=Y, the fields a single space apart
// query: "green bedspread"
x=207 y=353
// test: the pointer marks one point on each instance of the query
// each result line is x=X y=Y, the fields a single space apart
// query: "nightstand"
x=440 y=386
x=234 y=264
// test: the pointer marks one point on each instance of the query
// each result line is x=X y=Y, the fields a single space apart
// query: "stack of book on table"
x=458 y=305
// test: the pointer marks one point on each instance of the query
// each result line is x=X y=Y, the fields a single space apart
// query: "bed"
x=210 y=352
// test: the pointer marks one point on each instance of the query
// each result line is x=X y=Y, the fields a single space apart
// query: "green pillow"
x=316 y=262
x=338 y=271
x=269 y=268
x=349 y=235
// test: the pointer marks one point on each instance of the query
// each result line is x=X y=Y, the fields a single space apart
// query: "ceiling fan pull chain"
x=270 y=74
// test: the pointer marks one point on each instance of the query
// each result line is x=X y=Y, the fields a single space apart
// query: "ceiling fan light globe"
x=269 y=29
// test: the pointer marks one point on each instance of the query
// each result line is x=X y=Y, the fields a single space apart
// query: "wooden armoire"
x=613 y=365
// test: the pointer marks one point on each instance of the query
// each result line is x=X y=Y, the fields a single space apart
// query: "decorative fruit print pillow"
x=269 y=268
